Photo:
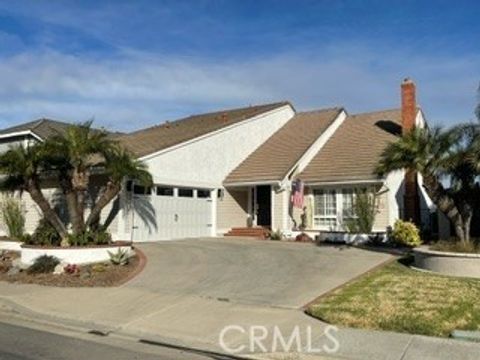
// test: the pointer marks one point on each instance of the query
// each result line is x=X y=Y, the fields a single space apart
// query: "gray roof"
x=43 y=128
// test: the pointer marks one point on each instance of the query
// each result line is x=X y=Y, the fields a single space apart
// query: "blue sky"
x=130 y=64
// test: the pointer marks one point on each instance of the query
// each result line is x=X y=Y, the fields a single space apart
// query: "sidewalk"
x=196 y=322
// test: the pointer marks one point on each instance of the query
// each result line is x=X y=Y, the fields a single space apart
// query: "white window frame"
x=339 y=217
x=327 y=217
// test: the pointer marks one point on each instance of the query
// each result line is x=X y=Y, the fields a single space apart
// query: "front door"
x=263 y=205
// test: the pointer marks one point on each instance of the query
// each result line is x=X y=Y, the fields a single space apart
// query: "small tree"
x=13 y=217
x=365 y=209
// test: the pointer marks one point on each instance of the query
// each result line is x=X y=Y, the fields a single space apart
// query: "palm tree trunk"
x=80 y=180
x=75 y=220
x=50 y=215
x=111 y=191
x=446 y=204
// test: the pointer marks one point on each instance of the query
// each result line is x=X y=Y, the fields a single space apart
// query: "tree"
x=23 y=168
x=119 y=165
x=441 y=157
x=74 y=154
x=69 y=160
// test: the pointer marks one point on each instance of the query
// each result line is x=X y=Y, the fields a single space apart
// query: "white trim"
x=212 y=133
x=21 y=133
x=213 y=215
x=254 y=207
x=272 y=208
x=253 y=183
x=313 y=150
x=346 y=182
x=173 y=183
x=285 y=209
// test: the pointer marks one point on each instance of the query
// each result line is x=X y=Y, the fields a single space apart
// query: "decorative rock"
x=13 y=271
x=303 y=238
x=17 y=263
x=58 y=269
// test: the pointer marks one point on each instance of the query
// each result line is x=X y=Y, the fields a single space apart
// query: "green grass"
x=397 y=298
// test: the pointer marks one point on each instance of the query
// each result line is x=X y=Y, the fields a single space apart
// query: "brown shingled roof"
x=156 y=138
x=354 y=149
x=274 y=158
x=43 y=128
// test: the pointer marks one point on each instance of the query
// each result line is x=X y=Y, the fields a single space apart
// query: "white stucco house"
x=231 y=171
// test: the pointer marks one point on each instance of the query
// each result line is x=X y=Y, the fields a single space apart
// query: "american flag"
x=297 y=194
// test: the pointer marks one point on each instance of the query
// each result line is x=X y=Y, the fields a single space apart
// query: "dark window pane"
x=129 y=185
x=141 y=190
x=202 y=193
x=185 y=192
x=164 y=191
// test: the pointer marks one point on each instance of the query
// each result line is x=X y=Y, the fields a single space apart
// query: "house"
x=232 y=171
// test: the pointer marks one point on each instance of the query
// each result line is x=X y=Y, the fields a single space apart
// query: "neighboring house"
x=234 y=169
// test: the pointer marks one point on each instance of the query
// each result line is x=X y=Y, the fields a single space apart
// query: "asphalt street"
x=23 y=343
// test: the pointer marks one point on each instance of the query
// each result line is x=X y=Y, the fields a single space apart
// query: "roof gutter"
x=20 y=133
x=252 y=183
x=345 y=182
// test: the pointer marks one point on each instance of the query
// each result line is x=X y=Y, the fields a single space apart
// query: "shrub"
x=406 y=233
x=43 y=264
x=13 y=217
x=99 y=268
x=44 y=235
x=275 y=235
x=120 y=257
x=98 y=237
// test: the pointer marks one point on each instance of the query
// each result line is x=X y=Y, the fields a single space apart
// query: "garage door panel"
x=176 y=217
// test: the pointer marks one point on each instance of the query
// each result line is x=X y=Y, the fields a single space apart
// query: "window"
x=183 y=192
x=348 y=200
x=203 y=193
x=141 y=190
x=164 y=191
x=325 y=214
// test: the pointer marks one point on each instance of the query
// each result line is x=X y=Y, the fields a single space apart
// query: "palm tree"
x=71 y=158
x=77 y=152
x=441 y=157
x=23 y=169
x=119 y=165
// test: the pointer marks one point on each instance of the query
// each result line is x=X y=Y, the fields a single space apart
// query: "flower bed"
x=73 y=254
x=90 y=275
x=346 y=237
x=448 y=263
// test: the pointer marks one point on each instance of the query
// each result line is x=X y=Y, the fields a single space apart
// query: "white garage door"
x=164 y=213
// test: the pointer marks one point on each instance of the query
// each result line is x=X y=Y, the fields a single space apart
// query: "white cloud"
x=138 y=89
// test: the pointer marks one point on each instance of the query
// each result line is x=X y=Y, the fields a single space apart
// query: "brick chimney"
x=409 y=105
x=409 y=114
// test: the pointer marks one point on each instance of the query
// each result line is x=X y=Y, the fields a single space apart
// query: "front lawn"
x=397 y=298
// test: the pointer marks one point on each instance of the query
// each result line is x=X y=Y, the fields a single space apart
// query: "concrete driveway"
x=249 y=271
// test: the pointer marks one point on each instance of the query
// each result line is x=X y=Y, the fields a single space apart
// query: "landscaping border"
x=79 y=255
x=447 y=263
x=10 y=245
